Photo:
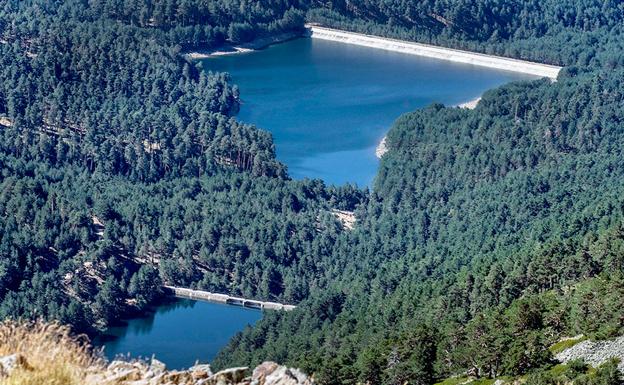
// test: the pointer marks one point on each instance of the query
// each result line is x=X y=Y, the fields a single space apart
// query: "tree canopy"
x=488 y=235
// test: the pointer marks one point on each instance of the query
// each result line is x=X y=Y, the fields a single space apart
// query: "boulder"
x=156 y=367
x=124 y=376
x=176 y=377
x=10 y=363
x=119 y=372
x=270 y=373
x=200 y=371
x=263 y=370
x=230 y=376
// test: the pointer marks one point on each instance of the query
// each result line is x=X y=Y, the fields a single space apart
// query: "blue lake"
x=179 y=333
x=329 y=104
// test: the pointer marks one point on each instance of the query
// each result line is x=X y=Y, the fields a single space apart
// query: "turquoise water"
x=328 y=104
x=179 y=333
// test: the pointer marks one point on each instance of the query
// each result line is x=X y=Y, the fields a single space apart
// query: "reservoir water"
x=179 y=333
x=328 y=104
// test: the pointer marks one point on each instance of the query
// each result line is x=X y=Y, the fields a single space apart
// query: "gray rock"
x=595 y=353
x=10 y=363
x=230 y=376
x=125 y=376
x=201 y=371
x=140 y=373
x=157 y=367
x=270 y=373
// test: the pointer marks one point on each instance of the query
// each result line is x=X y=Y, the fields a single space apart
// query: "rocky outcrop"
x=270 y=373
x=595 y=353
x=155 y=373
x=346 y=218
x=10 y=363
x=32 y=351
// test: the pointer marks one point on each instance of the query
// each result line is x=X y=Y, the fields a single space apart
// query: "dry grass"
x=53 y=355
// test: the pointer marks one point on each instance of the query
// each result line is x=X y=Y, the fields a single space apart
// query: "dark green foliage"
x=576 y=373
x=411 y=358
x=226 y=233
x=472 y=210
x=119 y=161
x=108 y=301
x=145 y=285
x=607 y=374
x=117 y=99
x=488 y=235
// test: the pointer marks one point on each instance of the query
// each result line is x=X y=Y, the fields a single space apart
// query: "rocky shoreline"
x=156 y=373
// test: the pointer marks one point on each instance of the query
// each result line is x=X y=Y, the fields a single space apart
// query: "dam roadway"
x=199 y=295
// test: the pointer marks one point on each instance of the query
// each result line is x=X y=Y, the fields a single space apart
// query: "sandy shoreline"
x=251 y=46
x=219 y=52
x=471 y=104
x=382 y=147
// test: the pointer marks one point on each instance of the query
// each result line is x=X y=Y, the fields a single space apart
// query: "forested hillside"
x=477 y=213
x=489 y=233
x=472 y=210
x=123 y=168
x=117 y=99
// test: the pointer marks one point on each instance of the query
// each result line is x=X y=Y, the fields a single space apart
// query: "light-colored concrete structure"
x=455 y=55
x=199 y=295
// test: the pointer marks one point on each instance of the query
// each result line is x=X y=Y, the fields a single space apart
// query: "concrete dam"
x=435 y=52
x=199 y=295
